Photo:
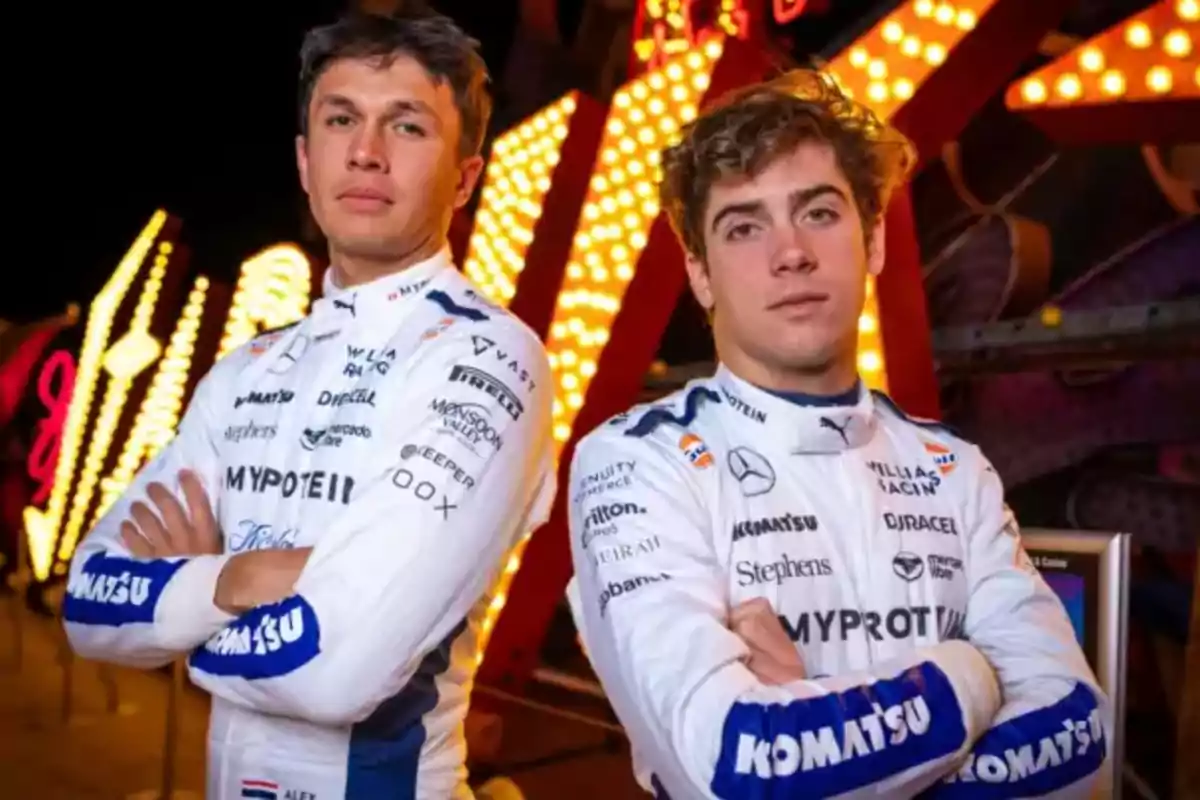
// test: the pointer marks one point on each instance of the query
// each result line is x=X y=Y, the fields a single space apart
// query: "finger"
x=174 y=518
x=151 y=528
x=136 y=543
x=204 y=524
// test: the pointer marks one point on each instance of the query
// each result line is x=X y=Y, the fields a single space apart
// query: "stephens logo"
x=754 y=573
x=237 y=433
x=265 y=398
x=481 y=381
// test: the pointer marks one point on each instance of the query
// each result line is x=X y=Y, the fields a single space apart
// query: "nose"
x=368 y=151
x=793 y=252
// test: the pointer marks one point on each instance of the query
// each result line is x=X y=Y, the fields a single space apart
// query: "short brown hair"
x=414 y=30
x=749 y=128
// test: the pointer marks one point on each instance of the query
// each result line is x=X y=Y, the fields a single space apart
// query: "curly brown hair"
x=748 y=129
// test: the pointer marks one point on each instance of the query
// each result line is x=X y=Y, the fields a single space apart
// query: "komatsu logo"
x=830 y=745
x=115 y=590
x=268 y=635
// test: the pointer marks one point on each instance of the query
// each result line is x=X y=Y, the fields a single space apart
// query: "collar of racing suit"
x=381 y=293
x=804 y=428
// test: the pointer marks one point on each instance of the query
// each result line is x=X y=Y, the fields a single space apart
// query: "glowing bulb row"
x=159 y=414
x=518 y=178
x=115 y=394
x=621 y=205
x=888 y=64
x=42 y=527
x=679 y=33
x=273 y=290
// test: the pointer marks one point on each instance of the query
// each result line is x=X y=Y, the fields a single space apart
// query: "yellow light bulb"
x=1188 y=10
x=1091 y=59
x=1033 y=91
x=1177 y=43
x=1112 y=83
x=1138 y=35
x=1159 y=80
x=935 y=54
x=1068 y=86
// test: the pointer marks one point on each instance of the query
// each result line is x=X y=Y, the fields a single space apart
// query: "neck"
x=826 y=380
x=351 y=270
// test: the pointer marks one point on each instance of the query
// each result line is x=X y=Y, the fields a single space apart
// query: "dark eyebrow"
x=796 y=200
x=397 y=108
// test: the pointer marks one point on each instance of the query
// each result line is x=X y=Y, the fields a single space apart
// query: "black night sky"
x=187 y=107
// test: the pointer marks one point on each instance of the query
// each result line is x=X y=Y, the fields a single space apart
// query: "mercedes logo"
x=908 y=566
x=294 y=351
x=753 y=472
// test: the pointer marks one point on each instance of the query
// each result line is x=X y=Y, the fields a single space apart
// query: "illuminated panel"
x=42 y=526
x=885 y=67
x=621 y=205
x=518 y=178
x=273 y=290
x=1134 y=82
x=132 y=354
x=155 y=423
x=667 y=28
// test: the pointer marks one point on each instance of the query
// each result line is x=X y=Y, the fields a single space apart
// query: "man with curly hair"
x=788 y=587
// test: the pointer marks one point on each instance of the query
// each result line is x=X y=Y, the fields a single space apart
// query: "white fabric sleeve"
x=419 y=544
x=145 y=612
x=1050 y=736
x=654 y=605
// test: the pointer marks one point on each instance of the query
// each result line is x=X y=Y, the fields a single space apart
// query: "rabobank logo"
x=616 y=589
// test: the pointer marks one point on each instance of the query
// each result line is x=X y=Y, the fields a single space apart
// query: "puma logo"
x=826 y=422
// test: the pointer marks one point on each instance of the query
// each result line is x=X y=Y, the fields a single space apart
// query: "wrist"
x=228 y=592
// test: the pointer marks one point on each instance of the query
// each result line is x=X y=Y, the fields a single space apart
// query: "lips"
x=365 y=194
x=799 y=300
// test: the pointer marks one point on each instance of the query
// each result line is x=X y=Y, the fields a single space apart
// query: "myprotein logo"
x=758 y=573
x=920 y=523
x=249 y=431
x=784 y=523
x=838 y=625
x=318 y=484
x=504 y=359
x=354 y=397
x=278 y=397
x=469 y=423
x=602 y=520
x=628 y=586
x=490 y=385
x=440 y=460
x=744 y=408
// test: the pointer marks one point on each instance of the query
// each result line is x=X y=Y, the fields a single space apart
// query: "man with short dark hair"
x=788 y=587
x=323 y=533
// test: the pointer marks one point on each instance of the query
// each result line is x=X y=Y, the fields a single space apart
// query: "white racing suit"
x=932 y=646
x=402 y=431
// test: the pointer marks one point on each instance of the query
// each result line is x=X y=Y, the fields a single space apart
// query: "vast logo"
x=910 y=481
x=483 y=344
x=903 y=523
x=601 y=520
x=238 y=433
x=627 y=586
x=755 y=573
x=309 y=485
x=251 y=535
x=470 y=423
x=481 y=381
x=422 y=489
x=754 y=474
x=278 y=397
x=354 y=397
x=895 y=623
x=785 y=523
x=361 y=361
